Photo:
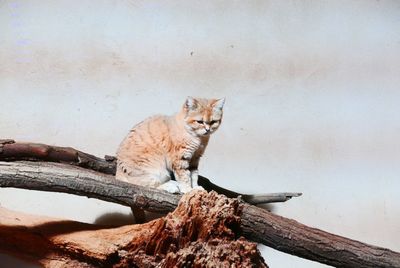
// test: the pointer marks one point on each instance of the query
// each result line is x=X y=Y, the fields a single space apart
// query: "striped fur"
x=165 y=147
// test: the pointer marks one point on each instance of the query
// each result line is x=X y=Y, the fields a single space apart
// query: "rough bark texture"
x=256 y=224
x=297 y=239
x=17 y=151
x=203 y=231
x=55 y=177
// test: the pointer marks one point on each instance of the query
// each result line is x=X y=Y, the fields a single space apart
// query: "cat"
x=164 y=151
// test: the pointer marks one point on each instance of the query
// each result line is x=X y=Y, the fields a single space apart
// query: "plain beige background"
x=312 y=98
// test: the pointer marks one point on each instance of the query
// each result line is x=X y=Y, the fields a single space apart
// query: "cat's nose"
x=207 y=128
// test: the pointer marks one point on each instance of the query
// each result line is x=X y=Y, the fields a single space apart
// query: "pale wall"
x=312 y=91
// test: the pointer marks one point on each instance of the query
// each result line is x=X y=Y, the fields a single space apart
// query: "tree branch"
x=256 y=224
x=17 y=151
x=55 y=177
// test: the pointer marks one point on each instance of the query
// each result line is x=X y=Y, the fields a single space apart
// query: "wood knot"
x=140 y=201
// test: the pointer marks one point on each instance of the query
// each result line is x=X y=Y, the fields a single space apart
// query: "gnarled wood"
x=257 y=224
x=203 y=229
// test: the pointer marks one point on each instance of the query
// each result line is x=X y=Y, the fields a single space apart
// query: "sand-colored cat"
x=163 y=148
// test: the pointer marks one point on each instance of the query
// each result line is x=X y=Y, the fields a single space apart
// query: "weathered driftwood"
x=202 y=230
x=16 y=151
x=256 y=224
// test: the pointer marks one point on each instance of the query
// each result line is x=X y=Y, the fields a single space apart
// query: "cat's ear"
x=219 y=104
x=190 y=103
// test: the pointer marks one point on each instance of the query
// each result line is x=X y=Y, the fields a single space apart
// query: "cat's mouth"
x=207 y=133
x=202 y=132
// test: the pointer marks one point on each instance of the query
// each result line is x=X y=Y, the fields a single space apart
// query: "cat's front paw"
x=171 y=187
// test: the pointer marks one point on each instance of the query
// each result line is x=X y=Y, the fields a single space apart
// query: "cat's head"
x=203 y=116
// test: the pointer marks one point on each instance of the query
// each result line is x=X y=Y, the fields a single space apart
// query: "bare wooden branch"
x=17 y=151
x=256 y=224
x=255 y=199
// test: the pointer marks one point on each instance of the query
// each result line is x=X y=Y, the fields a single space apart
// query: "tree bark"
x=256 y=224
x=297 y=239
x=55 y=177
x=17 y=151
x=201 y=231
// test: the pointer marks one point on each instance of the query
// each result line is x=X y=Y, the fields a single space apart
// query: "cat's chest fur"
x=190 y=148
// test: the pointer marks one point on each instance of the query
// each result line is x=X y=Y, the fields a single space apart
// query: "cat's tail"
x=251 y=199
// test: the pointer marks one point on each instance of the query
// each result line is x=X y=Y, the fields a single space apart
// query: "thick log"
x=257 y=224
x=17 y=151
x=202 y=231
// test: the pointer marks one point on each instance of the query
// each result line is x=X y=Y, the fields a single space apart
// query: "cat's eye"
x=213 y=122
x=200 y=121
